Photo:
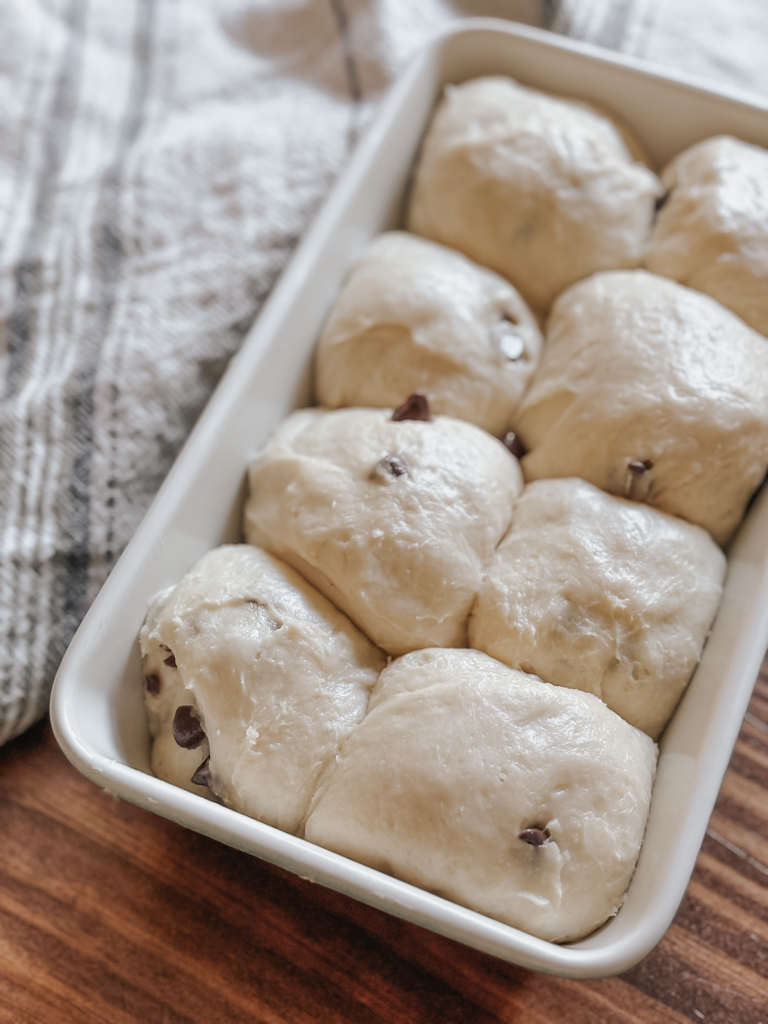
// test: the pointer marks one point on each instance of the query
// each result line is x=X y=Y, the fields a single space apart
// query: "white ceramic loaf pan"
x=97 y=704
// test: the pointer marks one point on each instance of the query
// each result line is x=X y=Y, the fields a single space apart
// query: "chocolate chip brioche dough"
x=712 y=230
x=392 y=520
x=270 y=678
x=602 y=594
x=543 y=190
x=164 y=693
x=654 y=392
x=521 y=800
x=415 y=316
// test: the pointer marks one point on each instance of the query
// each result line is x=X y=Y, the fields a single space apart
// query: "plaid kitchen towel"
x=159 y=160
x=723 y=43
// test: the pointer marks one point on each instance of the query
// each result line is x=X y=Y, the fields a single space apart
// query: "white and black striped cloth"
x=158 y=161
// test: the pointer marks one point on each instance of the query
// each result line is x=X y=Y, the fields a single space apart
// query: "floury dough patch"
x=602 y=594
x=653 y=392
x=542 y=190
x=520 y=800
x=393 y=520
x=252 y=682
x=415 y=316
x=712 y=230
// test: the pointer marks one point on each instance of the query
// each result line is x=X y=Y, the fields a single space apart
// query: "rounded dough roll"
x=712 y=230
x=524 y=801
x=392 y=520
x=605 y=595
x=276 y=676
x=415 y=316
x=542 y=190
x=654 y=392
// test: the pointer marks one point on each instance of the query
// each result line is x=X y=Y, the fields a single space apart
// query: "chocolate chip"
x=415 y=407
x=170 y=660
x=187 y=730
x=534 y=836
x=639 y=466
x=508 y=339
x=152 y=684
x=394 y=465
x=203 y=776
x=660 y=202
x=515 y=445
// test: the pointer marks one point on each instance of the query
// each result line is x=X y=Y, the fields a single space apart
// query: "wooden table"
x=108 y=913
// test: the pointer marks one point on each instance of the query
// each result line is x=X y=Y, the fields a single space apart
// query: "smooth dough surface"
x=602 y=594
x=456 y=757
x=393 y=521
x=654 y=392
x=712 y=231
x=277 y=675
x=415 y=316
x=543 y=190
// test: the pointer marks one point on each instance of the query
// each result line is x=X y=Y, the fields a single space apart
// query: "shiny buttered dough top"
x=260 y=672
x=540 y=189
x=712 y=231
x=602 y=594
x=520 y=800
x=392 y=520
x=654 y=392
x=415 y=316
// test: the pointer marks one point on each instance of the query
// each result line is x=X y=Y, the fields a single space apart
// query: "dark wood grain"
x=110 y=914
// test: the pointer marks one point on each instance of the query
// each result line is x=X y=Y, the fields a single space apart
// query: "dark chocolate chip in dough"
x=639 y=466
x=202 y=776
x=152 y=684
x=170 y=660
x=515 y=445
x=187 y=730
x=415 y=407
x=395 y=465
x=534 y=836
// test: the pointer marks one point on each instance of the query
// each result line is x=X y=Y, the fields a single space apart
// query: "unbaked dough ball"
x=524 y=801
x=393 y=520
x=605 y=595
x=259 y=672
x=654 y=392
x=415 y=316
x=712 y=231
x=542 y=190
